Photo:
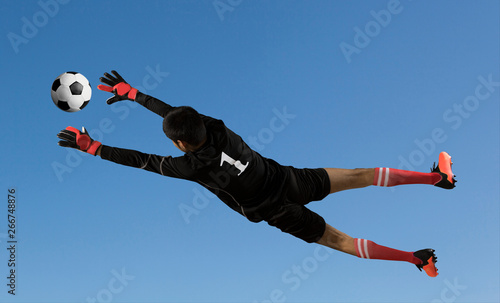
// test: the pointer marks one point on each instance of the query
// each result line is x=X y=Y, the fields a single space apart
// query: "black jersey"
x=225 y=165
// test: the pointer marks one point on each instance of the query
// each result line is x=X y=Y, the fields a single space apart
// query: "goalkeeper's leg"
x=333 y=238
x=343 y=179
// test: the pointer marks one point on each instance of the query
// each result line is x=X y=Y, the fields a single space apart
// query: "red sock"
x=390 y=177
x=369 y=250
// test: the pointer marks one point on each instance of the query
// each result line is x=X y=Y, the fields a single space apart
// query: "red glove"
x=117 y=86
x=72 y=137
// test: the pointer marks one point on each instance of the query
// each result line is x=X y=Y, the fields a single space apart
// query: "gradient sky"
x=311 y=84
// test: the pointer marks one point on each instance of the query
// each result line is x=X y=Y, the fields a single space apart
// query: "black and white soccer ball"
x=71 y=91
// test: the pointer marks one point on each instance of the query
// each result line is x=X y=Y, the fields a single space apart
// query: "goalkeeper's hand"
x=118 y=86
x=72 y=137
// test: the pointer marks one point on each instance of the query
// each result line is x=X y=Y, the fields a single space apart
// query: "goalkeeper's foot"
x=429 y=260
x=444 y=169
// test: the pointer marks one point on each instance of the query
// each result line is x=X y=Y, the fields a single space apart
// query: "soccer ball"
x=71 y=91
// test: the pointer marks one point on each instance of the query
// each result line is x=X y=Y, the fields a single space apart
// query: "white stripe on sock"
x=359 y=248
x=380 y=170
x=386 y=182
x=366 y=249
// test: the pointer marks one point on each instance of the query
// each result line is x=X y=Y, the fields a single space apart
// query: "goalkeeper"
x=254 y=186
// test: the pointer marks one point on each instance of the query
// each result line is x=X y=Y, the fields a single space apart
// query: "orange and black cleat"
x=444 y=169
x=429 y=260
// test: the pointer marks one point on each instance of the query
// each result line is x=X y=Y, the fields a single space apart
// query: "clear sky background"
x=312 y=84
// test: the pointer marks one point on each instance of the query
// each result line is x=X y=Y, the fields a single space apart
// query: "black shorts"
x=304 y=185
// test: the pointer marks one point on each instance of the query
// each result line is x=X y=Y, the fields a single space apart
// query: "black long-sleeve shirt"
x=247 y=182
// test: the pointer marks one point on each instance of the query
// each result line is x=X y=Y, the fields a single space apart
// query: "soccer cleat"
x=444 y=169
x=429 y=260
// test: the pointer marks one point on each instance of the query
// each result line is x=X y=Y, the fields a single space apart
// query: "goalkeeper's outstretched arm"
x=81 y=140
x=128 y=157
x=156 y=106
x=123 y=91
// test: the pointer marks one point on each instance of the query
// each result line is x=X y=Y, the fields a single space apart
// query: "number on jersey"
x=235 y=163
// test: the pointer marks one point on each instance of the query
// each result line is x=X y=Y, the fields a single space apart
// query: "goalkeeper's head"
x=184 y=126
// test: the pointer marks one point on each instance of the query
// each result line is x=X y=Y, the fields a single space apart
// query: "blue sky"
x=351 y=84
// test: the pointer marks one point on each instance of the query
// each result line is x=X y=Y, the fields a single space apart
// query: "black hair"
x=184 y=123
